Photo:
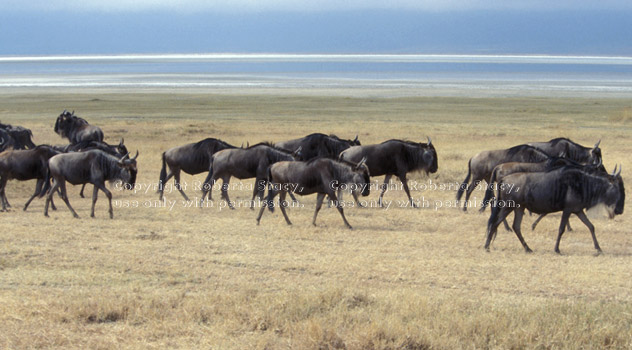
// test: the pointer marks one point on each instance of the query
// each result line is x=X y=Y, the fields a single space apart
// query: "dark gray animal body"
x=571 y=150
x=93 y=167
x=118 y=151
x=318 y=145
x=566 y=189
x=395 y=157
x=20 y=137
x=192 y=158
x=480 y=166
x=76 y=129
x=23 y=165
x=320 y=175
x=244 y=163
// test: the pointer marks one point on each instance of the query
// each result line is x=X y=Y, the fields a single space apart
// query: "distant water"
x=441 y=74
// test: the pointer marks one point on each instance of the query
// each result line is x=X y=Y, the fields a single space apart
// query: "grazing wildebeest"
x=192 y=158
x=21 y=137
x=318 y=145
x=395 y=157
x=320 y=175
x=77 y=129
x=571 y=150
x=570 y=190
x=481 y=165
x=118 y=151
x=93 y=167
x=24 y=165
x=245 y=163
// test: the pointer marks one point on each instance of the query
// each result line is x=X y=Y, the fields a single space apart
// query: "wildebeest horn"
x=597 y=144
x=429 y=141
x=125 y=156
x=121 y=142
x=298 y=150
x=615 y=170
x=356 y=138
x=1 y=140
x=136 y=156
x=362 y=161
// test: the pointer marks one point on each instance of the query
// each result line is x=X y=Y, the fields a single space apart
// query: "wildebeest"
x=504 y=169
x=481 y=165
x=245 y=163
x=93 y=167
x=24 y=165
x=21 y=137
x=571 y=150
x=395 y=157
x=76 y=129
x=192 y=158
x=118 y=151
x=6 y=141
x=570 y=190
x=318 y=145
x=320 y=175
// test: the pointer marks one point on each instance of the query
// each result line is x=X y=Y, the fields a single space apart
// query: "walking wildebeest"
x=395 y=157
x=118 y=151
x=571 y=150
x=319 y=175
x=481 y=165
x=93 y=167
x=21 y=137
x=24 y=165
x=245 y=163
x=318 y=145
x=76 y=129
x=570 y=190
x=192 y=158
x=504 y=169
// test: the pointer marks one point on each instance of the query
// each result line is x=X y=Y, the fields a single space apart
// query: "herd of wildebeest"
x=541 y=177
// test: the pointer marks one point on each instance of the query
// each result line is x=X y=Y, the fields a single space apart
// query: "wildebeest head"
x=129 y=164
x=595 y=154
x=120 y=148
x=355 y=142
x=430 y=157
x=617 y=180
x=362 y=177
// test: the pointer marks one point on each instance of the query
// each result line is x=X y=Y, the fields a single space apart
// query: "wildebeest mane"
x=108 y=164
x=529 y=154
x=208 y=142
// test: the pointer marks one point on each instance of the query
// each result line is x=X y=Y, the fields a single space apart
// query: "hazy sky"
x=42 y=27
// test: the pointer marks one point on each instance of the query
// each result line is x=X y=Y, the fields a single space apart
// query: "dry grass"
x=157 y=277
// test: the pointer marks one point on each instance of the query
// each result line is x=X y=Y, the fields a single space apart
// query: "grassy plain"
x=181 y=277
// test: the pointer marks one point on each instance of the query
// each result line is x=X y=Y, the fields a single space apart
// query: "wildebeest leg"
x=506 y=225
x=207 y=187
x=268 y=202
x=81 y=192
x=355 y=198
x=332 y=195
x=497 y=216
x=94 y=198
x=582 y=216
x=64 y=196
x=225 y=185
x=518 y=214
x=161 y=185
x=402 y=178
x=38 y=189
x=283 y=204
x=387 y=179
x=319 y=203
x=176 y=179
x=3 y=197
x=469 y=191
x=257 y=191
x=535 y=223
x=49 y=196
x=563 y=223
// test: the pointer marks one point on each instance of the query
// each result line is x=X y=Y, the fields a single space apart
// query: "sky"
x=558 y=27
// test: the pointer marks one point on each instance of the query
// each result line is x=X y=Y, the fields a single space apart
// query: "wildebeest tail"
x=270 y=199
x=163 y=174
x=492 y=219
x=489 y=192
x=463 y=186
x=47 y=186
